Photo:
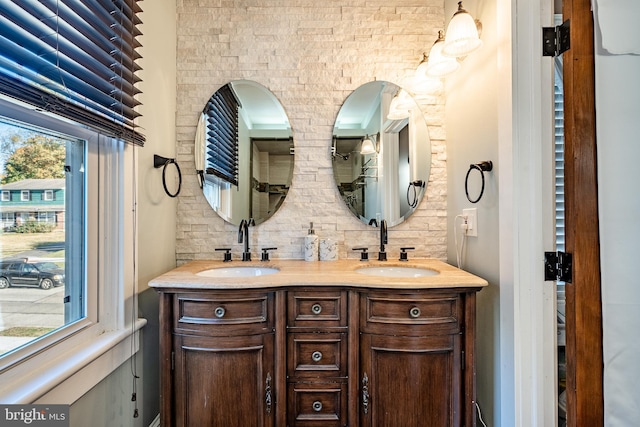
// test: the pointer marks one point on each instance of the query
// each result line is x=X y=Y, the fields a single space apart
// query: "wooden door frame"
x=585 y=399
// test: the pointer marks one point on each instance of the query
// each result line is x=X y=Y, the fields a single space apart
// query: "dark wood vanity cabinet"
x=318 y=357
x=412 y=360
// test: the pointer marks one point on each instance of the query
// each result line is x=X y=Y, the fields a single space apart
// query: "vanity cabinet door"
x=224 y=381
x=410 y=381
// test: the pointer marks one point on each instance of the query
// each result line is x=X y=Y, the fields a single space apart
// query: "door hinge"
x=558 y=266
x=173 y=360
x=556 y=40
x=462 y=359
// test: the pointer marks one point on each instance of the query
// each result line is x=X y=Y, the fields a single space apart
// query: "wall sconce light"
x=462 y=35
x=368 y=146
x=400 y=106
x=422 y=84
x=439 y=65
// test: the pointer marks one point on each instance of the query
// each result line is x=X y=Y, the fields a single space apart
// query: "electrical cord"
x=480 y=414
x=463 y=228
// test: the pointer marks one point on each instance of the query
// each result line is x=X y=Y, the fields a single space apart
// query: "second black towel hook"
x=482 y=167
x=163 y=162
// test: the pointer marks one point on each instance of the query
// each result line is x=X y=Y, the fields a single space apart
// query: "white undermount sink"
x=394 y=271
x=248 y=271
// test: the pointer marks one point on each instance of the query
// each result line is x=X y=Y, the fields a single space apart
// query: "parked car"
x=45 y=275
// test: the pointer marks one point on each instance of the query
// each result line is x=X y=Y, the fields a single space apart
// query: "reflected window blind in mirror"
x=222 y=135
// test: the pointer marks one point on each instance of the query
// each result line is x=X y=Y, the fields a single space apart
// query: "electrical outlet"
x=471 y=215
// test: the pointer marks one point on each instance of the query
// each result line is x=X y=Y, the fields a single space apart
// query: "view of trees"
x=37 y=157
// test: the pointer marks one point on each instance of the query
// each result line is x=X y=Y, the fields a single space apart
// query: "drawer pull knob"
x=219 y=312
x=316 y=356
x=317 y=406
x=316 y=308
x=414 y=312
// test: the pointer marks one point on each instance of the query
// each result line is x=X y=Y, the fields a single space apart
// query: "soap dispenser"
x=311 y=245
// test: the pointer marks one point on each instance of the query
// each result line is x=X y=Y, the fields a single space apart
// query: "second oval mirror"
x=381 y=153
x=244 y=152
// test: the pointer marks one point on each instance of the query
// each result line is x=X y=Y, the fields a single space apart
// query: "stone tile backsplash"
x=311 y=55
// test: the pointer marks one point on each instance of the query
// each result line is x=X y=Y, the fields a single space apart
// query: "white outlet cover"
x=472 y=221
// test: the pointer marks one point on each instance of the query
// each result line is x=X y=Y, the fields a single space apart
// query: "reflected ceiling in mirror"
x=244 y=152
x=381 y=153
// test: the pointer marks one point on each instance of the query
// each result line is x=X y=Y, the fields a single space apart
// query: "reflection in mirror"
x=381 y=153
x=244 y=152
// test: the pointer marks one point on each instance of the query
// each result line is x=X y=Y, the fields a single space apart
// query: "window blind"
x=75 y=58
x=222 y=135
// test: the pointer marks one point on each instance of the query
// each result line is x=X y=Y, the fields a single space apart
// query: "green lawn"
x=15 y=243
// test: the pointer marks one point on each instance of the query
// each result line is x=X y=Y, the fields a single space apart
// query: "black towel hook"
x=163 y=162
x=482 y=167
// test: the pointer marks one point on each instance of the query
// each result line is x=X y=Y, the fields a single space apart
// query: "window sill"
x=72 y=370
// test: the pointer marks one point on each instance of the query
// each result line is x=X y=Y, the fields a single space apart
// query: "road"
x=29 y=307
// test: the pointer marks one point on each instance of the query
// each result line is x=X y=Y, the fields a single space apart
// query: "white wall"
x=109 y=403
x=472 y=136
x=618 y=127
x=156 y=211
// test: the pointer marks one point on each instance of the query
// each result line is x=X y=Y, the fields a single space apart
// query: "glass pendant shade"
x=462 y=35
x=397 y=111
x=421 y=84
x=439 y=65
x=367 y=146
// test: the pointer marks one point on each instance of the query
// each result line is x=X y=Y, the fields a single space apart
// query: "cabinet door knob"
x=316 y=308
x=414 y=312
x=317 y=406
x=219 y=312
x=316 y=356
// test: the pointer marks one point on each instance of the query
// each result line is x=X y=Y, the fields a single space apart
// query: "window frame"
x=48 y=193
x=25 y=195
x=34 y=371
x=6 y=196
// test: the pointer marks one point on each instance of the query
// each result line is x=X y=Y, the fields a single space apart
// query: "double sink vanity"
x=295 y=343
x=292 y=343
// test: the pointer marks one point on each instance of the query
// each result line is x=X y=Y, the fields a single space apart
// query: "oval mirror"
x=381 y=153
x=244 y=152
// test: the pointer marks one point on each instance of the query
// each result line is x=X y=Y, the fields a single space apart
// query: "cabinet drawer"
x=223 y=314
x=410 y=314
x=317 y=308
x=317 y=405
x=317 y=355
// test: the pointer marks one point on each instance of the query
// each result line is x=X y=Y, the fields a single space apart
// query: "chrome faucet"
x=382 y=255
x=243 y=235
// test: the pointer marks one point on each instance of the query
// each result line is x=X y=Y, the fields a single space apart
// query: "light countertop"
x=318 y=273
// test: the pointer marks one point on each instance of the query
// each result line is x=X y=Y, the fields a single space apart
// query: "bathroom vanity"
x=317 y=344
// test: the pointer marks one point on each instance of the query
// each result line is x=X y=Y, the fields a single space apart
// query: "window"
x=25 y=195
x=68 y=82
x=6 y=196
x=87 y=249
x=48 y=195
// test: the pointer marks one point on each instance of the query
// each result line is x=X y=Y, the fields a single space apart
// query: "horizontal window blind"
x=222 y=135
x=75 y=58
